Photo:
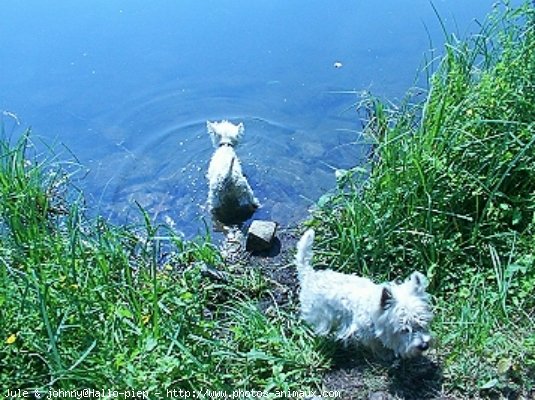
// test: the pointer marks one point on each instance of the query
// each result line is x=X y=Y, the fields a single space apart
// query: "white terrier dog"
x=230 y=198
x=393 y=316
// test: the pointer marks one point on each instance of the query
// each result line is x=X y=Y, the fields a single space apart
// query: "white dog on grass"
x=230 y=197
x=351 y=308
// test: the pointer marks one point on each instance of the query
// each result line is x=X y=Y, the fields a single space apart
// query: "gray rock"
x=260 y=236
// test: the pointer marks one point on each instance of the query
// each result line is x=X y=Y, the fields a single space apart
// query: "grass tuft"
x=87 y=304
x=451 y=192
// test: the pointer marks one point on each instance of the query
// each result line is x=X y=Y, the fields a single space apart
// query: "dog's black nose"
x=423 y=346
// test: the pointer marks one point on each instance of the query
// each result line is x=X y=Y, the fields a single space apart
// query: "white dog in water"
x=395 y=316
x=230 y=197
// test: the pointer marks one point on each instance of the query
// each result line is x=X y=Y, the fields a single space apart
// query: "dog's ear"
x=419 y=281
x=387 y=298
x=210 y=127
x=241 y=129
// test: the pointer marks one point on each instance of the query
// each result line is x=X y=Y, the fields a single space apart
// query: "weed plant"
x=451 y=192
x=86 y=304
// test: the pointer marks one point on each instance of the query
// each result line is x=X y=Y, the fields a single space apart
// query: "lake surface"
x=128 y=86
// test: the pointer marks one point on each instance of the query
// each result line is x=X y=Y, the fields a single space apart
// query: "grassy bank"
x=451 y=193
x=85 y=304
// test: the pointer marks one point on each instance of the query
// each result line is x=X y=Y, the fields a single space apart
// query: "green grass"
x=451 y=192
x=86 y=304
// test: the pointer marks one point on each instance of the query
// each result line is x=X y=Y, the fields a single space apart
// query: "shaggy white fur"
x=230 y=197
x=351 y=308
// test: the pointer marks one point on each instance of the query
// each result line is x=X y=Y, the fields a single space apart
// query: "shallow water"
x=128 y=87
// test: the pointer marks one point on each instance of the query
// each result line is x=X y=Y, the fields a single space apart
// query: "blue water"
x=127 y=86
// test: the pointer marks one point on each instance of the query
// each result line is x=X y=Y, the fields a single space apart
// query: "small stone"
x=260 y=236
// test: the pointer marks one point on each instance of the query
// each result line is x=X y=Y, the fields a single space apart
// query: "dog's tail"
x=231 y=167
x=303 y=258
x=228 y=176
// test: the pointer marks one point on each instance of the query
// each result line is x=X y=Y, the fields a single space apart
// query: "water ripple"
x=161 y=154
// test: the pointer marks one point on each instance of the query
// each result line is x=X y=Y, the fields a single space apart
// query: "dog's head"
x=404 y=317
x=225 y=132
